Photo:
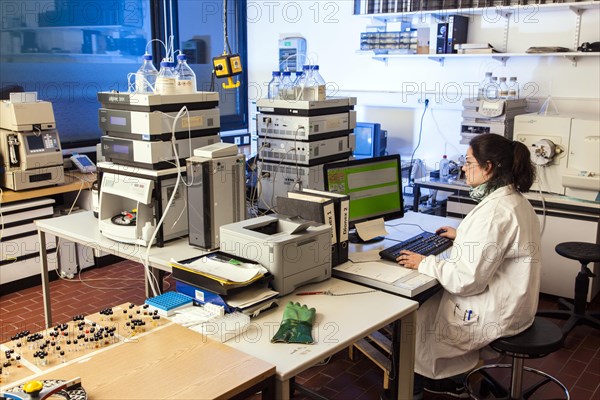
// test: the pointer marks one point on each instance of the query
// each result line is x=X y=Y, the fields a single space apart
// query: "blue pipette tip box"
x=168 y=302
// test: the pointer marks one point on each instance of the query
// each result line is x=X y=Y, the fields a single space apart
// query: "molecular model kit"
x=29 y=353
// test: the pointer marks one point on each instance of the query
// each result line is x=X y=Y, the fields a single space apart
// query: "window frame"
x=240 y=120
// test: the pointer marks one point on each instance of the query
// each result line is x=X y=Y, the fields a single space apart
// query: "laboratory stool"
x=539 y=340
x=575 y=313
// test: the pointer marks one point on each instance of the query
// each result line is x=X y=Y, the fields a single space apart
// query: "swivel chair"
x=539 y=340
x=575 y=313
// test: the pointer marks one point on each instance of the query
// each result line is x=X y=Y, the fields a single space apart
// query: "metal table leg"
x=403 y=357
x=45 y=279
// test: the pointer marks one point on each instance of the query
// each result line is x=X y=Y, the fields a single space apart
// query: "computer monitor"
x=371 y=140
x=373 y=185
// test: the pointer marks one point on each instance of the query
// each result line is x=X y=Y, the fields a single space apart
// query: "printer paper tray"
x=185 y=275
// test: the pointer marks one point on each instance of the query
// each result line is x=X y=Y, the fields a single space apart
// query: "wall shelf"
x=506 y=12
x=577 y=7
x=500 y=57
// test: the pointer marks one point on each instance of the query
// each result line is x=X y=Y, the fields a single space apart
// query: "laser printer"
x=296 y=252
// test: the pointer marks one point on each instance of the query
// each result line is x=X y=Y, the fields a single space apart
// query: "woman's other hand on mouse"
x=447 y=232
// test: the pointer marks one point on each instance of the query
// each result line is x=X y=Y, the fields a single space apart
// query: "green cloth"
x=480 y=192
x=296 y=324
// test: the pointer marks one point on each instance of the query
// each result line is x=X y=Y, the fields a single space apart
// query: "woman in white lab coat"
x=491 y=278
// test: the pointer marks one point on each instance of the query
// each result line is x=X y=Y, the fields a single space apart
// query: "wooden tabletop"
x=171 y=362
x=74 y=181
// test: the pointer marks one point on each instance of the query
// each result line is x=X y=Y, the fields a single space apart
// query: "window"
x=200 y=37
x=67 y=51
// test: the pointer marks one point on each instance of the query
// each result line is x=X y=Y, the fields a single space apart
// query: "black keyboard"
x=425 y=243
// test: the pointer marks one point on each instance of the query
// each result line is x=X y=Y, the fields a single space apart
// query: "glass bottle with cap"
x=502 y=88
x=483 y=85
x=513 y=88
x=491 y=90
x=286 y=90
x=312 y=84
x=444 y=167
x=145 y=77
x=165 y=81
x=185 y=78
x=273 y=87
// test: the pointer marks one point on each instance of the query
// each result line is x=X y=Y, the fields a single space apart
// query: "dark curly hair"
x=510 y=161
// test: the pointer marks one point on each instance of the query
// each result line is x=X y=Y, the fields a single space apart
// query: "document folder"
x=312 y=208
x=341 y=208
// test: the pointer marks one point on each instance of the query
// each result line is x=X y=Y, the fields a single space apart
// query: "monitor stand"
x=354 y=238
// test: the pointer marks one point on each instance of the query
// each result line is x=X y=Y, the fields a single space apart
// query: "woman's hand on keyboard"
x=447 y=232
x=410 y=259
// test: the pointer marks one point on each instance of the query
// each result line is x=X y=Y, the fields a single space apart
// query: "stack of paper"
x=253 y=299
x=474 y=48
x=221 y=327
x=250 y=296
x=382 y=272
x=225 y=272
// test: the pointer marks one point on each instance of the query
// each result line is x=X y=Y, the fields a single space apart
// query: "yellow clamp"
x=230 y=84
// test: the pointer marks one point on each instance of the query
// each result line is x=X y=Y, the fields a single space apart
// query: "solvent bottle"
x=286 y=89
x=513 y=88
x=185 y=78
x=503 y=88
x=165 y=81
x=483 y=85
x=274 y=85
x=444 y=167
x=145 y=77
x=491 y=90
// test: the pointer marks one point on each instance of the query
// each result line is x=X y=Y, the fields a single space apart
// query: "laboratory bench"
x=19 y=266
x=451 y=184
x=74 y=181
x=336 y=323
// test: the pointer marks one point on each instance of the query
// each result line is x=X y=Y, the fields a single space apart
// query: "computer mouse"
x=440 y=231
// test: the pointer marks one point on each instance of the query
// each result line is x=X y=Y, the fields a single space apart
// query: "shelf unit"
x=380 y=21
x=573 y=56
x=577 y=7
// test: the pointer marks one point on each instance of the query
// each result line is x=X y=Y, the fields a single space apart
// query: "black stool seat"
x=575 y=313
x=539 y=340
x=583 y=252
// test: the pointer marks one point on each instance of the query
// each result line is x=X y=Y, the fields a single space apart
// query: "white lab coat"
x=491 y=282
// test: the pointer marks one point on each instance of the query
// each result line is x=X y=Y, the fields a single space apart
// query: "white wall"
x=392 y=92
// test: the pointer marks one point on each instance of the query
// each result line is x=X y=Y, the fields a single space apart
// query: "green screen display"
x=374 y=186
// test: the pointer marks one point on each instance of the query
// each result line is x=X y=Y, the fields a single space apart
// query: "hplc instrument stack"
x=145 y=144
x=296 y=138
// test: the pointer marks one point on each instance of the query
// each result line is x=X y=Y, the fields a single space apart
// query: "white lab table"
x=340 y=321
x=83 y=228
x=398 y=230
